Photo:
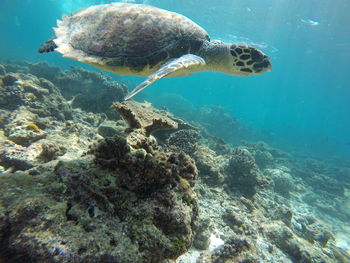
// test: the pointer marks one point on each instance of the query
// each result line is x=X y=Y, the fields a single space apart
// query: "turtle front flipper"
x=183 y=65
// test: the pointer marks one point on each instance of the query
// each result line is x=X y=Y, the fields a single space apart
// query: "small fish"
x=310 y=22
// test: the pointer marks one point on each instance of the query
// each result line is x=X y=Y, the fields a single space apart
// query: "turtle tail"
x=48 y=46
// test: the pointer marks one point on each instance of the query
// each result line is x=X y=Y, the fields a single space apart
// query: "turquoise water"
x=302 y=105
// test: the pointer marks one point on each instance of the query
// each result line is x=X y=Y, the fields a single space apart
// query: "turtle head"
x=245 y=61
x=234 y=59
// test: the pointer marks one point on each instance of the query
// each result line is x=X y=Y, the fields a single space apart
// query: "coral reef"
x=109 y=128
x=234 y=250
x=83 y=216
x=30 y=108
x=87 y=199
x=38 y=95
x=51 y=151
x=183 y=140
x=152 y=228
x=269 y=206
x=243 y=171
x=202 y=238
x=77 y=186
x=283 y=182
x=82 y=87
x=210 y=166
x=142 y=172
x=143 y=120
x=18 y=157
x=86 y=87
x=41 y=69
x=265 y=156
x=22 y=130
x=144 y=117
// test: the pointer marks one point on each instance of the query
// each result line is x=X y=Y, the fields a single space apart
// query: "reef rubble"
x=140 y=185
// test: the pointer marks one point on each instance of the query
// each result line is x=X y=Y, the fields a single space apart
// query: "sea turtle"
x=141 y=40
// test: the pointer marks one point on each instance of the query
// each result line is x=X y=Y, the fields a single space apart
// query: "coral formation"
x=86 y=87
x=234 y=250
x=143 y=120
x=144 y=206
x=144 y=117
x=183 y=140
x=143 y=172
x=202 y=237
x=109 y=128
x=80 y=187
x=39 y=96
x=83 y=216
x=266 y=156
x=299 y=250
x=23 y=134
x=82 y=87
x=243 y=171
x=51 y=151
x=210 y=166
x=283 y=182
x=17 y=157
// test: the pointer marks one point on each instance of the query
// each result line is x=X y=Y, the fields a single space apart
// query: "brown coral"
x=143 y=172
x=143 y=116
x=143 y=119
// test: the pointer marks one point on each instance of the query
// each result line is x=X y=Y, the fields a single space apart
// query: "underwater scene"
x=174 y=131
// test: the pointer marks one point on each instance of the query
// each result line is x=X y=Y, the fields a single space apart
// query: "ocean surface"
x=296 y=118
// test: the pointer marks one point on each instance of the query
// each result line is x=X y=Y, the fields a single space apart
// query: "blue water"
x=303 y=104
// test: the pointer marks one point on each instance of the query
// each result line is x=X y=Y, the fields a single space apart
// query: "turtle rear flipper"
x=183 y=65
x=48 y=46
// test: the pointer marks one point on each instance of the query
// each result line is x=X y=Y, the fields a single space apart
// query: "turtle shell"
x=133 y=36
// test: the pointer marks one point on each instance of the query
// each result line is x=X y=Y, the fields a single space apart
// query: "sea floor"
x=81 y=181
